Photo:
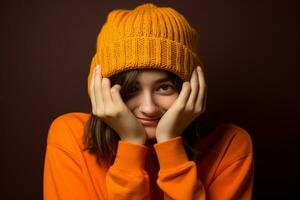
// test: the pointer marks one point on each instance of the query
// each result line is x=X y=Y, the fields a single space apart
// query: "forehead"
x=151 y=75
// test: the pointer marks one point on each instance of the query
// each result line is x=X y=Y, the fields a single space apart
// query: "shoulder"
x=67 y=130
x=237 y=136
x=230 y=141
x=238 y=142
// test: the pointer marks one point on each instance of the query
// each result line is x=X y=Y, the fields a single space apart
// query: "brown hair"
x=102 y=140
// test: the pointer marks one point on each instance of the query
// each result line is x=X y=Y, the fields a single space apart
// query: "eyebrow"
x=159 y=80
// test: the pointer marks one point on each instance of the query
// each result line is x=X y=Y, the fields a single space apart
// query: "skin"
x=176 y=111
x=152 y=99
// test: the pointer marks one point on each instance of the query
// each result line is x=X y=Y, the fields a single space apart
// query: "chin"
x=150 y=131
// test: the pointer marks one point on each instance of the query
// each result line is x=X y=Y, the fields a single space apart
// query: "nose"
x=148 y=105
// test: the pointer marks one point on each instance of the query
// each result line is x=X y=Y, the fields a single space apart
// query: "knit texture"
x=146 y=37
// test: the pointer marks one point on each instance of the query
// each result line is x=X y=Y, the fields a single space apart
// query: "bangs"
x=128 y=80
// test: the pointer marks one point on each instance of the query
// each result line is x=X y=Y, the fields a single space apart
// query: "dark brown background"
x=251 y=52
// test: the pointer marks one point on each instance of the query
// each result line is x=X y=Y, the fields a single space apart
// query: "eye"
x=166 y=88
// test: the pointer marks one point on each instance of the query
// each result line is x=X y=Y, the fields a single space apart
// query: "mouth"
x=148 y=122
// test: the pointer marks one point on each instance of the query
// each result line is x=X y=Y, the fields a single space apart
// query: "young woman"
x=148 y=136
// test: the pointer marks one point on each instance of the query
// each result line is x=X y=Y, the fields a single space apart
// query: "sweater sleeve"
x=63 y=178
x=177 y=176
x=126 y=178
x=234 y=181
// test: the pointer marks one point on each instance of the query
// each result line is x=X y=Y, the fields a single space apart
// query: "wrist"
x=140 y=141
x=163 y=138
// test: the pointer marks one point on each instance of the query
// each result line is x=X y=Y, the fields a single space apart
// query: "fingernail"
x=198 y=68
x=97 y=68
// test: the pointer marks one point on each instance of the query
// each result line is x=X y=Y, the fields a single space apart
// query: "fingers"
x=98 y=89
x=102 y=95
x=194 y=93
x=92 y=93
x=115 y=94
x=194 y=90
x=183 y=96
x=106 y=89
x=201 y=99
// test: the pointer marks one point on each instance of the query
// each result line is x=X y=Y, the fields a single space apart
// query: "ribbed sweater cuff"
x=171 y=153
x=130 y=156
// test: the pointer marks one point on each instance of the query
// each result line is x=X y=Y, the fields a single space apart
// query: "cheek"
x=131 y=103
x=166 y=101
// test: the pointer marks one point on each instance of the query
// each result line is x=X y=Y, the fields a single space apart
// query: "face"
x=153 y=96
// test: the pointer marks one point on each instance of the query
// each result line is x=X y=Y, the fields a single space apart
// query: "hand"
x=190 y=103
x=108 y=105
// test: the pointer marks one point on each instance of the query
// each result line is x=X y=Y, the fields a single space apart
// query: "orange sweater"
x=162 y=171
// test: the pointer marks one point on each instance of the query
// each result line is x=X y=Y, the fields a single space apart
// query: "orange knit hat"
x=146 y=37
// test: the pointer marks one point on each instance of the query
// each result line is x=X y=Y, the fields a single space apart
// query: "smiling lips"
x=148 y=122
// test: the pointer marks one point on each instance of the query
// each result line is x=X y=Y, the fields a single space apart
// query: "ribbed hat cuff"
x=147 y=52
